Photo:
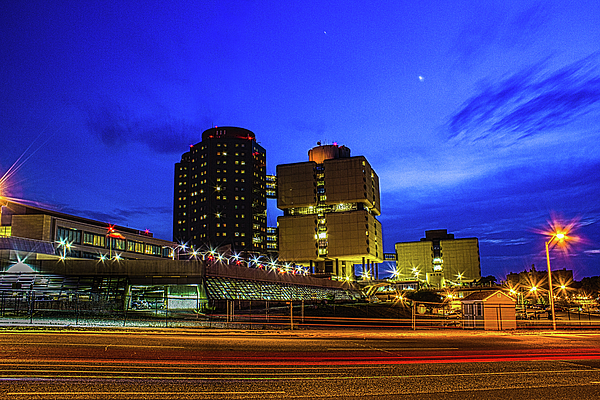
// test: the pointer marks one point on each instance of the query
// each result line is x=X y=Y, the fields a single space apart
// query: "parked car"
x=524 y=315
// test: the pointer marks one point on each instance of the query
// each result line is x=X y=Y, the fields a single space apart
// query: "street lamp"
x=560 y=237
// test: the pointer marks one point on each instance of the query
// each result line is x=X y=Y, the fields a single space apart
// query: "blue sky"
x=482 y=118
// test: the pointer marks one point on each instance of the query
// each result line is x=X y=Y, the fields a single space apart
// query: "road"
x=212 y=364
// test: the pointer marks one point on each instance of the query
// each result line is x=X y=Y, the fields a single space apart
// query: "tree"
x=591 y=285
x=486 y=281
x=427 y=296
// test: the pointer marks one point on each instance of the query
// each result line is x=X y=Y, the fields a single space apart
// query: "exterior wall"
x=35 y=223
x=220 y=192
x=461 y=256
x=182 y=204
x=339 y=202
x=321 y=153
x=37 y=227
x=499 y=313
x=296 y=185
x=131 y=268
x=351 y=180
x=354 y=235
x=297 y=238
x=493 y=311
x=413 y=255
x=473 y=315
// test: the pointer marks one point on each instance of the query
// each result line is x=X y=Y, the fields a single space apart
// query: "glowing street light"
x=533 y=289
x=559 y=236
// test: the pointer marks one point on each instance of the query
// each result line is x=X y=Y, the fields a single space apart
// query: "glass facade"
x=218 y=288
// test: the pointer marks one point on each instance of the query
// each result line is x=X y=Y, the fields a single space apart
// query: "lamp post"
x=559 y=237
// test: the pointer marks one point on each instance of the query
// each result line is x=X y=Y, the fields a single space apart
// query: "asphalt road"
x=200 y=364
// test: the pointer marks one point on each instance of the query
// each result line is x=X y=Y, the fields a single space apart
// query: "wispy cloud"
x=530 y=102
x=506 y=242
x=116 y=125
x=118 y=216
x=494 y=28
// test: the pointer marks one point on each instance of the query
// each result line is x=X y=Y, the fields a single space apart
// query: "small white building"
x=489 y=310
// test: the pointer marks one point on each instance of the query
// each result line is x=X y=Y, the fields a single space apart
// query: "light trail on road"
x=376 y=357
x=268 y=366
x=209 y=374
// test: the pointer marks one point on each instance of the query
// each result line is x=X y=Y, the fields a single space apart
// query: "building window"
x=135 y=247
x=153 y=249
x=92 y=239
x=116 y=243
x=68 y=235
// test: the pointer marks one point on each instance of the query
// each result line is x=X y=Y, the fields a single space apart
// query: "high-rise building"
x=330 y=205
x=439 y=259
x=220 y=192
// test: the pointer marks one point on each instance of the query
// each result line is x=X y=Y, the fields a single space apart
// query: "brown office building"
x=220 y=192
x=330 y=205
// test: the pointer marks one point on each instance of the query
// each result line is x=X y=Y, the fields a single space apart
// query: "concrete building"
x=330 y=204
x=220 y=192
x=439 y=259
x=32 y=232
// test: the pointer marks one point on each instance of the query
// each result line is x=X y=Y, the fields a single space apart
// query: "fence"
x=77 y=308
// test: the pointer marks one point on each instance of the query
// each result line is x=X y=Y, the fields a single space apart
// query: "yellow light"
x=533 y=289
x=560 y=236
